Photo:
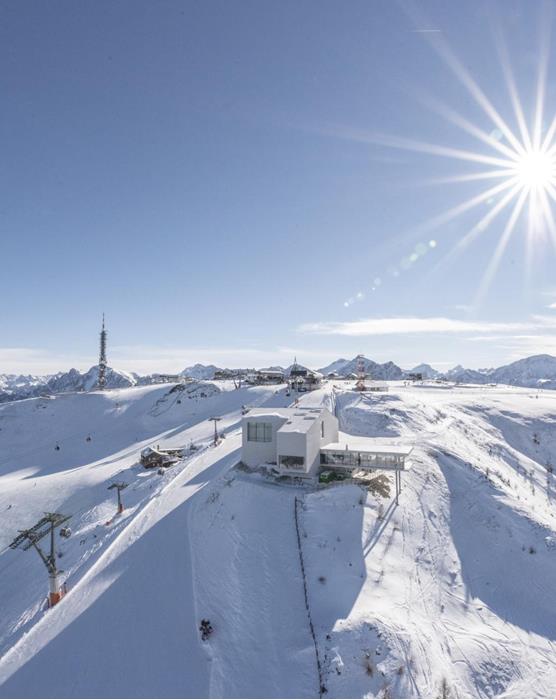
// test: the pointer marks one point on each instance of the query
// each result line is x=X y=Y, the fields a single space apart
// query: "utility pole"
x=102 y=357
x=30 y=538
x=215 y=419
x=120 y=486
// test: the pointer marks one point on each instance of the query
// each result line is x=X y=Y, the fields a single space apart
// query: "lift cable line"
x=31 y=537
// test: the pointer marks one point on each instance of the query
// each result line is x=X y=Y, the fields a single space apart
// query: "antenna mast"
x=102 y=358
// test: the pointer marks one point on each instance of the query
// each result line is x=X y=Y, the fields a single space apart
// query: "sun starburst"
x=519 y=164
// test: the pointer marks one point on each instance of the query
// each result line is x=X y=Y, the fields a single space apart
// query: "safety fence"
x=322 y=688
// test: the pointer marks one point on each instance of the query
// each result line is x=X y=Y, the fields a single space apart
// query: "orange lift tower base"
x=30 y=538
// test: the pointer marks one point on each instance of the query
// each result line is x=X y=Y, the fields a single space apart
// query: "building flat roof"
x=368 y=446
x=297 y=419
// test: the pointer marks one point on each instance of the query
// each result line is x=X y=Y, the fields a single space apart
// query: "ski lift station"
x=299 y=442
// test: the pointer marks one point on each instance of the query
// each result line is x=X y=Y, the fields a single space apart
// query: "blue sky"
x=221 y=179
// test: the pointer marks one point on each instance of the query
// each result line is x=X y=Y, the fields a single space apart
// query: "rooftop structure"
x=266 y=376
x=303 y=379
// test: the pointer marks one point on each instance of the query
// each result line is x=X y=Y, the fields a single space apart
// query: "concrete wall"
x=255 y=453
x=331 y=433
x=308 y=444
x=293 y=444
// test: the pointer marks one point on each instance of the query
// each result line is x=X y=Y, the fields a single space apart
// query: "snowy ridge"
x=538 y=371
x=387 y=370
x=14 y=387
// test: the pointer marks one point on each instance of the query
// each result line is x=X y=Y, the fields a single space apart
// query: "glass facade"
x=292 y=462
x=259 y=432
x=366 y=460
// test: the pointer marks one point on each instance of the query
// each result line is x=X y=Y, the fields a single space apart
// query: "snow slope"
x=448 y=593
x=128 y=620
x=248 y=583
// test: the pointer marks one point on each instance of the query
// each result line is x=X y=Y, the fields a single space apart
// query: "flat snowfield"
x=449 y=593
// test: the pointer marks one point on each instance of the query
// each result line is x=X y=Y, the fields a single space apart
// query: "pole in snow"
x=120 y=486
x=31 y=537
x=215 y=419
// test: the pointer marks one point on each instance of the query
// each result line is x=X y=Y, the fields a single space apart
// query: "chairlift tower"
x=102 y=358
x=215 y=419
x=31 y=537
x=361 y=374
x=120 y=486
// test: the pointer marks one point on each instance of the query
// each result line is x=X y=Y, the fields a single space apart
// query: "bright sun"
x=517 y=164
x=535 y=169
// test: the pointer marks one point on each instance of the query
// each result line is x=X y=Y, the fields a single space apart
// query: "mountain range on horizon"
x=537 y=371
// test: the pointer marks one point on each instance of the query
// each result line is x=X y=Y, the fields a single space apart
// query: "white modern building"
x=289 y=439
x=299 y=441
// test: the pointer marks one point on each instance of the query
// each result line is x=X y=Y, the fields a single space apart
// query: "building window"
x=322 y=428
x=292 y=462
x=259 y=432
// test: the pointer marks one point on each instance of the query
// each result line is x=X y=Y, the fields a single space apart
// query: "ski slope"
x=448 y=593
x=129 y=581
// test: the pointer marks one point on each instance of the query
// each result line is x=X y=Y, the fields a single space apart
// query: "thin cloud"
x=147 y=359
x=395 y=326
x=39 y=361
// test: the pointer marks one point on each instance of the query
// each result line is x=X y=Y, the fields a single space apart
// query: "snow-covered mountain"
x=465 y=376
x=535 y=371
x=76 y=381
x=14 y=387
x=388 y=370
x=20 y=385
x=337 y=367
x=538 y=371
x=426 y=371
x=199 y=371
